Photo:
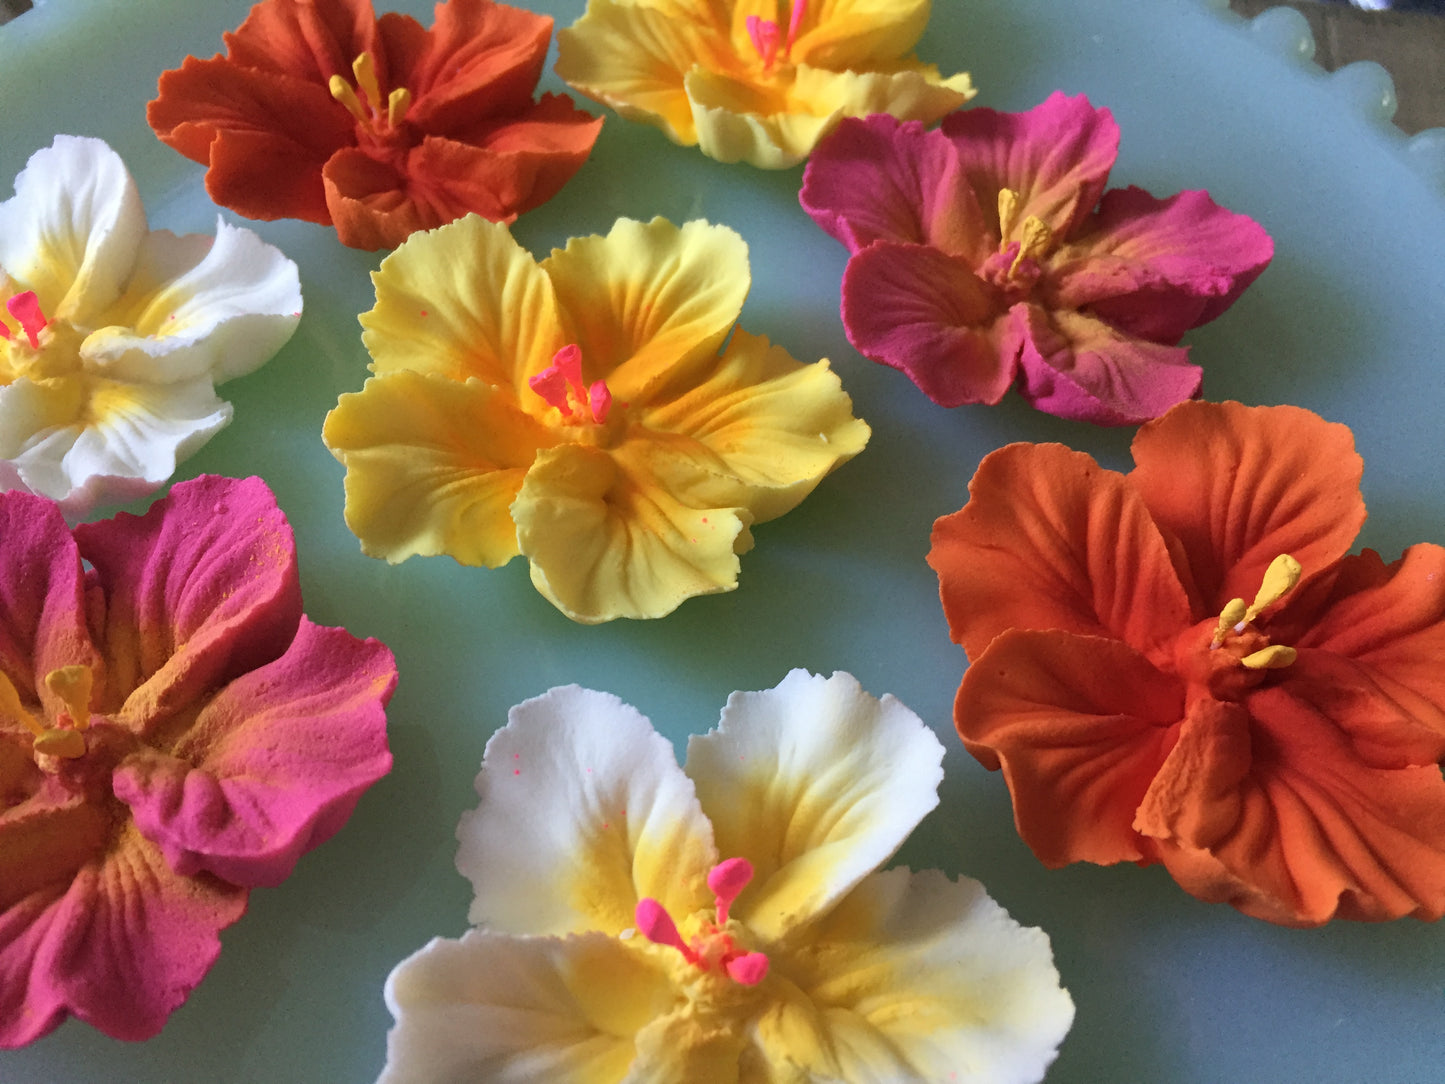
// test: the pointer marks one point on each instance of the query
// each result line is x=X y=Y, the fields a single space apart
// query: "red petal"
x=308 y=39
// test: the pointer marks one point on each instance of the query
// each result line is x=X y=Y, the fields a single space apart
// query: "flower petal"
x=1049 y=540
x=514 y=1010
x=876 y=178
x=121 y=947
x=460 y=302
x=815 y=783
x=1240 y=485
x=614 y=536
x=1055 y=157
x=312 y=40
x=923 y=312
x=72 y=229
x=774 y=425
x=199 y=590
x=272 y=766
x=1080 y=726
x=1076 y=366
x=583 y=812
x=858 y=33
x=916 y=977
x=650 y=303
x=432 y=466
x=197 y=306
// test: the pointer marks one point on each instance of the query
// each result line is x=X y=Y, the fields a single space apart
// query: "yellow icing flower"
x=614 y=946
x=758 y=81
x=597 y=413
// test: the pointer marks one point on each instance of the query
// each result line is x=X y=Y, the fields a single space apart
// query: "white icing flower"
x=614 y=945
x=113 y=336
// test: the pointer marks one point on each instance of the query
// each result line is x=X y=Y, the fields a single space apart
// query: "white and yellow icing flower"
x=722 y=922
x=113 y=336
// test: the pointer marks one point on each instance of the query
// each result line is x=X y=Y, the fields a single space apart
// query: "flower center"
x=1279 y=580
x=713 y=949
x=25 y=308
x=367 y=106
x=66 y=739
x=1237 y=655
x=766 y=35
x=1015 y=267
x=560 y=384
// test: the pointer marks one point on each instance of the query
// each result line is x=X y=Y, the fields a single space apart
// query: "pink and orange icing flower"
x=321 y=111
x=721 y=921
x=173 y=733
x=758 y=81
x=597 y=413
x=986 y=254
x=1184 y=664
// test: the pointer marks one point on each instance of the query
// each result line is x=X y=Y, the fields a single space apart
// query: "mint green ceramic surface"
x=1348 y=322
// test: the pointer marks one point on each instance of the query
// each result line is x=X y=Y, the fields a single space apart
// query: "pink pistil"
x=657 y=926
x=764 y=34
x=748 y=969
x=560 y=385
x=727 y=879
x=26 y=308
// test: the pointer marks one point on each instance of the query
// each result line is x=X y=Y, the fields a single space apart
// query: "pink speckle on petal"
x=516 y=771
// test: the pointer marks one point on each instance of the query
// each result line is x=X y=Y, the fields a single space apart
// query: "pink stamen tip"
x=551 y=385
x=599 y=397
x=795 y=22
x=655 y=924
x=727 y=880
x=748 y=969
x=569 y=361
x=764 y=35
x=26 y=308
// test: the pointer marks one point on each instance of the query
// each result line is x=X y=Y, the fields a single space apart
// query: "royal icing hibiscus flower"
x=1183 y=665
x=723 y=921
x=321 y=111
x=173 y=733
x=987 y=254
x=583 y=412
x=758 y=81
x=113 y=336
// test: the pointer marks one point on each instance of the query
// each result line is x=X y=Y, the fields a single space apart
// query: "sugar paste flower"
x=987 y=253
x=1280 y=754
x=597 y=412
x=113 y=337
x=758 y=81
x=724 y=921
x=173 y=732
x=321 y=111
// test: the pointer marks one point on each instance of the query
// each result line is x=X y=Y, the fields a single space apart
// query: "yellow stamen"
x=61 y=743
x=397 y=105
x=72 y=684
x=364 y=68
x=1008 y=203
x=10 y=707
x=342 y=92
x=1279 y=580
x=1270 y=658
x=1036 y=240
x=1232 y=614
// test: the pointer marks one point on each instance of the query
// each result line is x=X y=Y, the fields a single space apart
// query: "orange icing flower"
x=324 y=112
x=1280 y=754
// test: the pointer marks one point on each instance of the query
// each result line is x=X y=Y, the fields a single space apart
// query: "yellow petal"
x=773 y=424
x=463 y=301
x=650 y=303
x=432 y=466
x=841 y=34
x=606 y=542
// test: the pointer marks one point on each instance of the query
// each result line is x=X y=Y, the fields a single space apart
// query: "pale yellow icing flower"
x=758 y=81
x=613 y=945
x=583 y=412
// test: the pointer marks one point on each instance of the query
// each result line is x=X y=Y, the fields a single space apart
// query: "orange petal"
x=310 y=40
x=1240 y=485
x=1050 y=540
x=1080 y=726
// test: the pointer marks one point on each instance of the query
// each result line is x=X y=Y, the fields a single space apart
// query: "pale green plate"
x=1348 y=322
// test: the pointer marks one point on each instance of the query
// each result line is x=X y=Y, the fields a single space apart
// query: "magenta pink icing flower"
x=987 y=253
x=173 y=732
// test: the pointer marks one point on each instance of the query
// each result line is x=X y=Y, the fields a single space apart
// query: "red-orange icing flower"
x=320 y=110
x=1281 y=755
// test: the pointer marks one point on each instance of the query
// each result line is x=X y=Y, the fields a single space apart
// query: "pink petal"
x=879 y=179
x=918 y=310
x=1056 y=157
x=1078 y=367
x=1155 y=268
x=200 y=589
x=273 y=766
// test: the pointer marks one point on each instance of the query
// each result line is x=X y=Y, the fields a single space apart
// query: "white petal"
x=817 y=784
x=72 y=230
x=917 y=977
x=196 y=306
x=583 y=811
x=138 y=436
x=520 y=1010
